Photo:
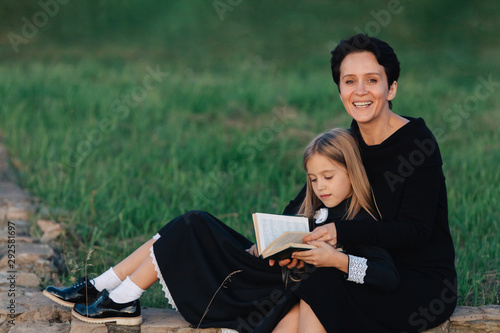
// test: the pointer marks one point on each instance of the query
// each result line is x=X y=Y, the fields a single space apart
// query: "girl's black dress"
x=196 y=252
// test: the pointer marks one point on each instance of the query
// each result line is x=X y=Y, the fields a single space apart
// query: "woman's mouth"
x=362 y=104
x=324 y=196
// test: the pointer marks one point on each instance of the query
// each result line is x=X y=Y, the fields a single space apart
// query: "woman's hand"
x=253 y=250
x=324 y=255
x=326 y=233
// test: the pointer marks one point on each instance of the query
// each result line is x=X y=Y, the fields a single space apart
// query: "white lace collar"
x=321 y=215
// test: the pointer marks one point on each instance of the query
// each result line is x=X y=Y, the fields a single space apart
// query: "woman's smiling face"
x=363 y=87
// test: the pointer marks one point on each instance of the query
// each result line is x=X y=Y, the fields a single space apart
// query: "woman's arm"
x=414 y=222
x=372 y=266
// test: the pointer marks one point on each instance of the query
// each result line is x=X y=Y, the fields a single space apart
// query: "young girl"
x=337 y=189
x=194 y=254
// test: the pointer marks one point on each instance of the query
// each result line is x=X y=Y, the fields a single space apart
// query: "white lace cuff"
x=321 y=215
x=156 y=237
x=357 y=269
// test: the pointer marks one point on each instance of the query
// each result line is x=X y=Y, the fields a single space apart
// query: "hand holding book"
x=278 y=236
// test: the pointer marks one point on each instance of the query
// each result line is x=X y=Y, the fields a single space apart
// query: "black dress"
x=196 y=252
x=405 y=172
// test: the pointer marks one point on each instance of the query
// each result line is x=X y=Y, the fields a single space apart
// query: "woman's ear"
x=392 y=91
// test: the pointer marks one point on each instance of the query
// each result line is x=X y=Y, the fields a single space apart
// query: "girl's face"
x=363 y=87
x=329 y=180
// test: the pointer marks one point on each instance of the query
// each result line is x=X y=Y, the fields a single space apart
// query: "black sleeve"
x=372 y=266
x=294 y=205
x=415 y=219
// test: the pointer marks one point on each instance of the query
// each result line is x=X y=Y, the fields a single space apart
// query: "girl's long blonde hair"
x=339 y=146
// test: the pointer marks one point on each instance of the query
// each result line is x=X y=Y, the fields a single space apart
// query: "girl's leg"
x=124 y=308
x=135 y=284
x=128 y=265
x=145 y=275
x=86 y=291
x=308 y=322
x=290 y=322
x=114 y=276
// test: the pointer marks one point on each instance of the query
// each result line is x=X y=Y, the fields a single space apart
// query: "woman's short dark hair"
x=362 y=43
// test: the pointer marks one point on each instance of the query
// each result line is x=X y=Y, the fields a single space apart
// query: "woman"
x=404 y=167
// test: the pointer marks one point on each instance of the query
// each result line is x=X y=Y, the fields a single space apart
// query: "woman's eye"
x=349 y=81
x=372 y=80
x=330 y=177
x=313 y=180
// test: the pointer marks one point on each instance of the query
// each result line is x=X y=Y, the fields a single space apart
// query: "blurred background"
x=121 y=115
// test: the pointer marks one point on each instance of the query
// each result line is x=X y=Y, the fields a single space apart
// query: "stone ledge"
x=33 y=312
x=154 y=321
x=11 y=192
x=471 y=319
x=36 y=313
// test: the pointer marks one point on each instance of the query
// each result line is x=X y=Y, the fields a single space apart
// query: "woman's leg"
x=128 y=265
x=290 y=322
x=308 y=322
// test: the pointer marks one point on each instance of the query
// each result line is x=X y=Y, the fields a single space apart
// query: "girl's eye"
x=330 y=177
x=313 y=180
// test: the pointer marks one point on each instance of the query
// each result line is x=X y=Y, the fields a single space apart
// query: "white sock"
x=126 y=292
x=107 y=280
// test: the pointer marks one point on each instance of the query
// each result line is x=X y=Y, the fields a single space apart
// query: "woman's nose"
x=360 y=89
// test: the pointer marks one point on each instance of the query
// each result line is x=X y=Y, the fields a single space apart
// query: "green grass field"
x=120 y=121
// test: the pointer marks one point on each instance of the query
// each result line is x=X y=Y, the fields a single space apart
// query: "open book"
x=278 y=236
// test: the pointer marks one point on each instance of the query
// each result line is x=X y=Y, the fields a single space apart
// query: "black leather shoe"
x=104 y=310
x=83 y=291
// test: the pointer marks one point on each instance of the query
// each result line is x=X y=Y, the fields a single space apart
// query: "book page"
x=289 y=238
x=271 y=226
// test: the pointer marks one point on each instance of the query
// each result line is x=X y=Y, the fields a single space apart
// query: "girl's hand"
x=288 y=263
x=326 y=233
x=324 y=255
x=253 y=250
